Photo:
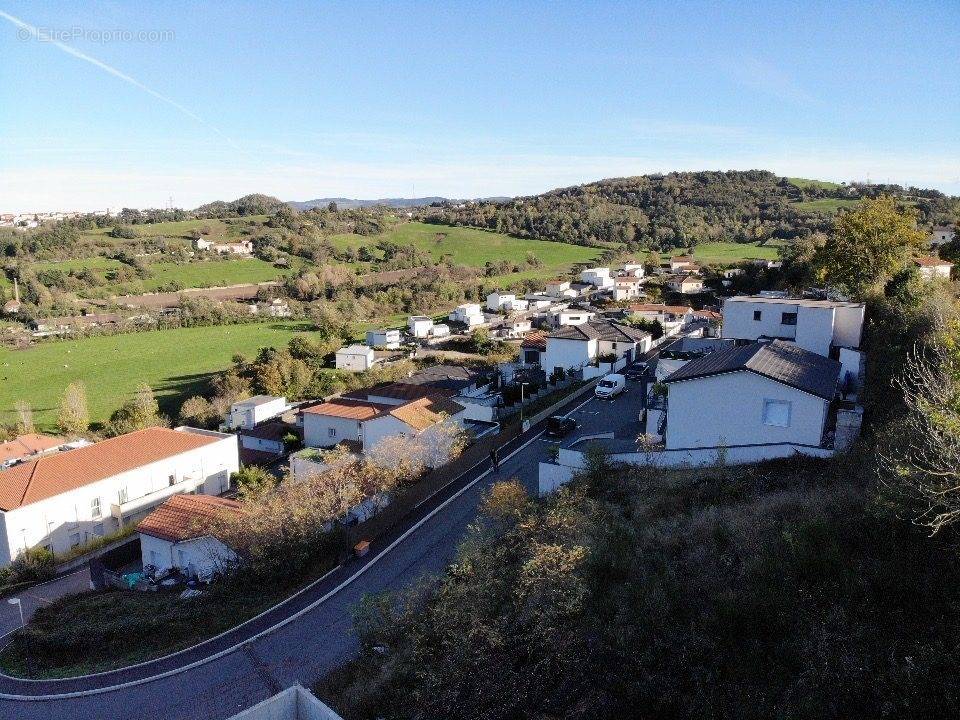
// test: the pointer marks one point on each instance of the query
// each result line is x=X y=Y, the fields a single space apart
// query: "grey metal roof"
x=600 y=330
x=781 y=361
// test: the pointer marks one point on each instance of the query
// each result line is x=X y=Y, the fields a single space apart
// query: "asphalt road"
x=306 y=648
x=39 y=595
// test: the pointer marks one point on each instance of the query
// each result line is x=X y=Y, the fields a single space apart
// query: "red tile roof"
x=932 y=262
x=52 y=475
x=399 y=391
x=425 y=412
x=349 y=409
x=536 y=340
x=184 y=517
x=675 y=309
x=29 y=444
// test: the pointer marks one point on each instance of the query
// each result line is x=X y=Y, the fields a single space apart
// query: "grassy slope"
x=804 y=183
x=825 y=205
x=219 y=230
x=727 y=253
x=176 y=363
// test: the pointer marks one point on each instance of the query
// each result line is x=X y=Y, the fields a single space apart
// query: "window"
x=95 y=508
x=122 y=495
x=776 y=413
x=757 y=315
x=788 y=319
x=332 y=432
x=172 y=480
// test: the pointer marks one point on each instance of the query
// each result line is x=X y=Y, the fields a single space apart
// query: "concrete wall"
x=848 y=326
x=294 y=703
x=68 y=519
x=815 y=328
x=728 y=410
x=353 y=362
x=316 y=430
x=198 y=556
x=567 y=354
x=245 y=417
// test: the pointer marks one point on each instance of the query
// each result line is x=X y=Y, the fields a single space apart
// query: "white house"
x=518 y=305
x=632 y=270
x=515 y=328
x=575 y=346
x=64 y=500
x=756 y=394
x=355 y=358
x=573 y=316
x=941 y=235
x=931 y=268
x=440 y=330
x=178 y=534
x=533 y=347
x=244 y=414
x=419 y=325
x=560 y=288
x=627 y=288
x=599 y=277
x=469 y=314
x=814 y=325
x=672 y=318
x=497 y=301
x=387 y=339
x=685 y=284
x=679 y=352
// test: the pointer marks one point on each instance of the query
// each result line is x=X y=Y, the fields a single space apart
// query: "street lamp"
x=522 y=386
x=16 y=601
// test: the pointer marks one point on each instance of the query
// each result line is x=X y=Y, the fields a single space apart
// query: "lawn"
x=219 y=230
x=474 y=247
x=828 y=206
x=804 y=183
x=728 y=253
x=175 y=363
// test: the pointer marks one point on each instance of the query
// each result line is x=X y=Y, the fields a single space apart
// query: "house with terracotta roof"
x=366 y=422
x=933 y=268
x=180 y=534
x=29 y=445
x=533 y=346
x=66 y=499
x=687 y=284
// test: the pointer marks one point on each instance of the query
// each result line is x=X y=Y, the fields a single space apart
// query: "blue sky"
x=383 y=99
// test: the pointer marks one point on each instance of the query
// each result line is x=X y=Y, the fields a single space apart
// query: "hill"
x=353 y=203
x=255 y=204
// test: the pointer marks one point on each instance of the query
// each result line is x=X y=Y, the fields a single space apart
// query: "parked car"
x=558 y=426
x=635 y=372
x=610 y=386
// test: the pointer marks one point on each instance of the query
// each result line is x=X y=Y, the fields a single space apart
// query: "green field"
x=176 y=363
x=728 y=253
x=804 y=183
x=474 y=247
x=219 y=230
x=828 y=206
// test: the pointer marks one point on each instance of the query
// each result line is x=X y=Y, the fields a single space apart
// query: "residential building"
x=470 y=314
x=386 y=339
x=572 y=347
x=627 y=288
x=264 y=443
x=632 y=269
x=819 y=326
x=932 y=268
x=29 y=445
x=763 y=393
x=678 y=353
x=536 y=301
x=354 y=358
x=559 y=288
x=64 y=500
x=598 y=277
x=573 y=316
x=245 y=414
x=440 y=330
x=518 y=305
x=462 y=380
x=497 y=301
x=672 y=318
x=941 y=235
x=515 y=328
x=533 y=347
x=685 y=284
x=180 y=534
x=419 y=325
x=681 y=263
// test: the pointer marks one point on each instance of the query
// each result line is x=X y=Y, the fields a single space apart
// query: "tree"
x=869 y=245
x=74 y=418
x=141 y=411
x=252 y=481
x=24 y=417
x=197 y=411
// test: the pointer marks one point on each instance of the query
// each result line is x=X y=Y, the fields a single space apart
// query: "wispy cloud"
x=37 y=35
x=769 y=79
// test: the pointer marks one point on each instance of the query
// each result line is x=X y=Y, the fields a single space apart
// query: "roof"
x=932 y=262
x=29 y=444
x=184 y=517
x=805 y=302
x=52 y=475
x=600 y=330
x=257 y=400
x=536 y=340
x=660 y=308
x=355 y=350
x=349 y=409
x=400 y=391
x=780 y=361
x=425 y=412
x=269 y=431
x=450 y=377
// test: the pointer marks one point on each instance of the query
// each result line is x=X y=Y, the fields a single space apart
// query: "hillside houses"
x=574 y=347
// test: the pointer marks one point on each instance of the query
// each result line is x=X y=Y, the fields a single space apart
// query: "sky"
x=140 y=104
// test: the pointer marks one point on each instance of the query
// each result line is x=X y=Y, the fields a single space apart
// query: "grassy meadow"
x=828 y=206
x=729 y=253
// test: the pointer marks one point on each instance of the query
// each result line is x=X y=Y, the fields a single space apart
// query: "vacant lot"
x=470 y=246
x=175 y=363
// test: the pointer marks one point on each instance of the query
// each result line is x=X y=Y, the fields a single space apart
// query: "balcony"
x=123 y=511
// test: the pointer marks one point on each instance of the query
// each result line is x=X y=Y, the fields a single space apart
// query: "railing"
x=135 y=505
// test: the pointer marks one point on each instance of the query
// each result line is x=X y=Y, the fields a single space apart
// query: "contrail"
x=35 y=32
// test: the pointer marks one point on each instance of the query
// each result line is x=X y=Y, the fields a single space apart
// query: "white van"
x=610 y=386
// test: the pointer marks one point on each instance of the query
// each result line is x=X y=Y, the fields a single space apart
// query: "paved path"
x=40 y=595
x=318 y=640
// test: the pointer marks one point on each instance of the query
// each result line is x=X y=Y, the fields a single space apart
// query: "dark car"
x=635 y=372
x=558 y=426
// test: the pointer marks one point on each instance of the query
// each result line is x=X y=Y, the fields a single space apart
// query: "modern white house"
x=245 y=414
x=518 y=305
x=573 y=347
x=355 y=358
x=764 y=393
x=814 y=325
x=632 y=269
x=470 y=314
x=627 y=288
x=599 y=277
x=672 y=318
x=178 y=534
x=497 y=301
x=685 y=284
x=515 y=328
x=419 y=325
x=440 y=330
x=386 y=339
x=560 y=288
x=266 y=439
x=941 y=235
x=679 y=352
x=932 y=268
x=64 y=500
x=573 y=316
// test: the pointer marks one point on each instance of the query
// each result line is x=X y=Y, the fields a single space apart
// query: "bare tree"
x=923 y=461
x=74 y=418
x=24 y=417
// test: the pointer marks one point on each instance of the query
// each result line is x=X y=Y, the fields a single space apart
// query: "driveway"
x=40 y=595
x=218 y=679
